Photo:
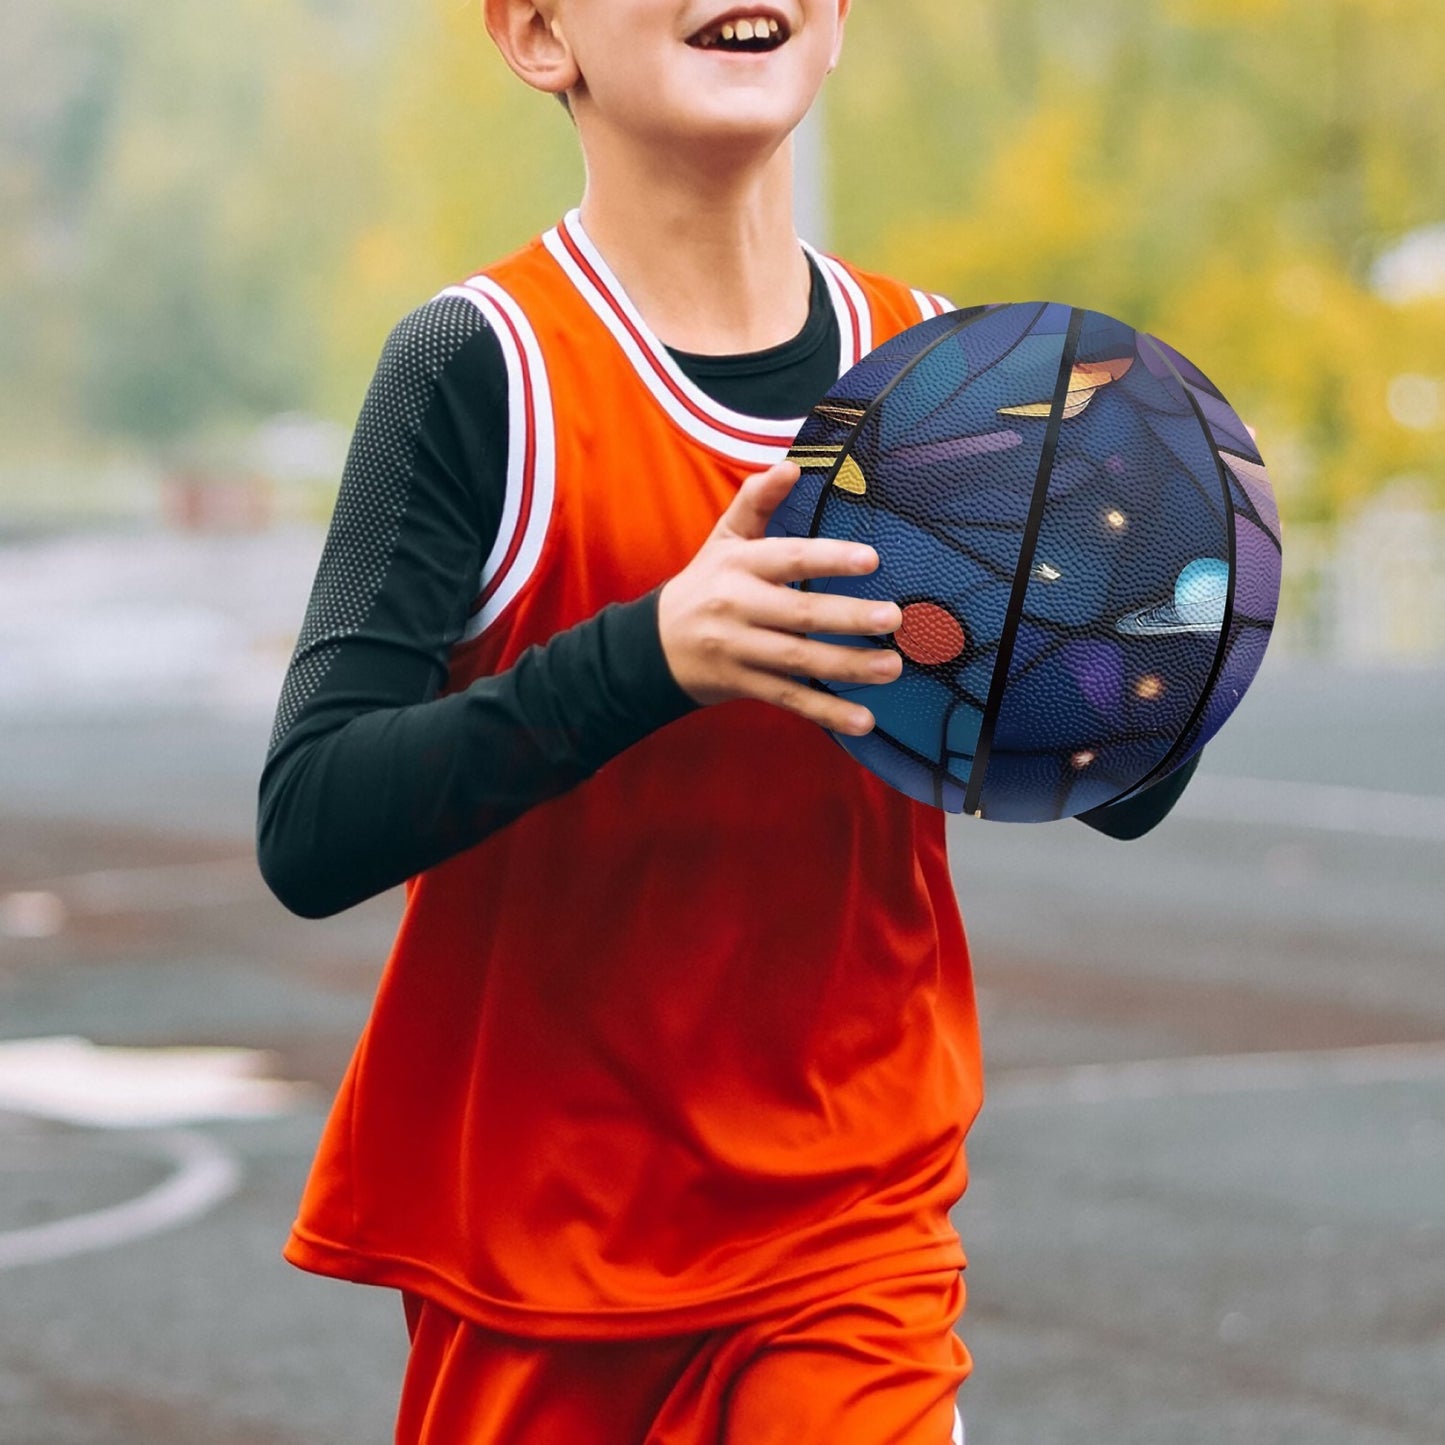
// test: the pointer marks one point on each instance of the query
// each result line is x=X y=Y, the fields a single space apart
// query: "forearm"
x=349 y=810
x=371 y=777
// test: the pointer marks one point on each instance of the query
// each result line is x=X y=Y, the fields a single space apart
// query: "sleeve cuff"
x=1133 y=817
x=645 y=694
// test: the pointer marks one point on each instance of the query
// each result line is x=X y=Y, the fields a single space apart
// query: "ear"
x=532 y=43
x=843 y=7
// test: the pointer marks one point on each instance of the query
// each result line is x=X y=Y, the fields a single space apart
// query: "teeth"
x=759 y=27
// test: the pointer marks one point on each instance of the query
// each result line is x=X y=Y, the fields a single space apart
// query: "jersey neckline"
x=744 y=438
x=795 y=350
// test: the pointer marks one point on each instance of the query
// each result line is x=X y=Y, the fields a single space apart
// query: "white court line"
x=205 y=1175
x=107 y=1086
x=1209 y=1074
x=1328 y=807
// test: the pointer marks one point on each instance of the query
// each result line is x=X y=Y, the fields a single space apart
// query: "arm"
x=370 y=778
x=1135 y=816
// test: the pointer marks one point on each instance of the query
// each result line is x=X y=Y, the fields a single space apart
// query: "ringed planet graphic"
x=1081 y=536
x=1197 y=605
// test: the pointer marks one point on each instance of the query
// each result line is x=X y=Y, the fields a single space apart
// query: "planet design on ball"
x=1200 y=596
x=1082 y=538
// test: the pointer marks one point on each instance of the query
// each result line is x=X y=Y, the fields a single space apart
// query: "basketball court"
x=1209 y=1180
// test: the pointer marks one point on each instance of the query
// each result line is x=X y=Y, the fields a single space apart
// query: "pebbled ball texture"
x=1082 y=537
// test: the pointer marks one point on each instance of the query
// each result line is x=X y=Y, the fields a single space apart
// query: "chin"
x=737 y=120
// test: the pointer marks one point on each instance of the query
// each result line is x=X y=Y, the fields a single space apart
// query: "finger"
x=757 y=499
x=786 y=609
x=819 y=706
x=792 y=559
x=831 y=662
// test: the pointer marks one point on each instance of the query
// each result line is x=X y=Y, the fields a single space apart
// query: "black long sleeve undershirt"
x=371 y=777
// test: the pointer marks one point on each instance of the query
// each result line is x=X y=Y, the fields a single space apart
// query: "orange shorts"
x=879 y=1366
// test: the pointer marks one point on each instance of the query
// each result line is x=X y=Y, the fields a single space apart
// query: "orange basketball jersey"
x=697 y=1038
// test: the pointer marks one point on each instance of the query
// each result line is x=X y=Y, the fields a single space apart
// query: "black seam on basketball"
x=1221 y=651
x=1204 y=493
x=1045 y=653
x=946 y=401
x=944 y=751
x=922 y=520
x=958 y=692
x=1001 y=572
x=1203 y=384
x=932 y=764
x=970 y=318
x=1255 y=461
x=1022 y=573
x=1251 y=511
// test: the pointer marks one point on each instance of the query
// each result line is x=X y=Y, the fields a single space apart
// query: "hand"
x=732 y=627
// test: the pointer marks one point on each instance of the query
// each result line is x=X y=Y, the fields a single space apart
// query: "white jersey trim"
x=751 y=439
x=930 y=304
x=855 y=319
x=531 y=486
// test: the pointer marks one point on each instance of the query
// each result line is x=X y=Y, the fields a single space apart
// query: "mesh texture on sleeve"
x=375 y=487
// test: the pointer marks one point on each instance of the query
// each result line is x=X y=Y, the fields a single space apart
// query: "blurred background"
x=211 y=221
x=210 y=218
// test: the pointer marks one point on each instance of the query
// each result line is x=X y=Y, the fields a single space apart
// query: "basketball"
x=1083 y=540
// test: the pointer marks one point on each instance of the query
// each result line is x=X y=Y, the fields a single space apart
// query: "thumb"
x=757 y=499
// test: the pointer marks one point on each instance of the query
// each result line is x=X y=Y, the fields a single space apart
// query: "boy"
x=659 y=1114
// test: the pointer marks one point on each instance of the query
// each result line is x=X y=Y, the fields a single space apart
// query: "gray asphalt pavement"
x=1208 y=1197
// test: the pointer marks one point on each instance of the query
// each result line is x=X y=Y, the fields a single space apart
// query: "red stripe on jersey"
x=529 y=468
x=857 y=352
x=575 y=252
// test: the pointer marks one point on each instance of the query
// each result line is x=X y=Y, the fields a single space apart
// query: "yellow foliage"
x=1040 y=226
x=1231 y=13
x=278 y=182
x=472 y=163
x=1219 y=172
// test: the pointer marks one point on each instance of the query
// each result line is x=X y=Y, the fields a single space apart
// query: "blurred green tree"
x=212 y=214
x=1222 y=172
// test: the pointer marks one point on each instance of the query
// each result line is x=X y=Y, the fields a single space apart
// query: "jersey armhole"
x=531 y=456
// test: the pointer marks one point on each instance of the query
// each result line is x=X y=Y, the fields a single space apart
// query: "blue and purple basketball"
x=1082 y=537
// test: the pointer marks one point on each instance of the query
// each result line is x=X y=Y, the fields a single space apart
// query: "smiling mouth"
x=754 y=34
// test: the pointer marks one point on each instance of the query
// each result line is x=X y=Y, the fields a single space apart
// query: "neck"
x=707 y=253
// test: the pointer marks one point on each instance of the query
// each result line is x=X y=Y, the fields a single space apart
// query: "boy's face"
x=667 y=72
